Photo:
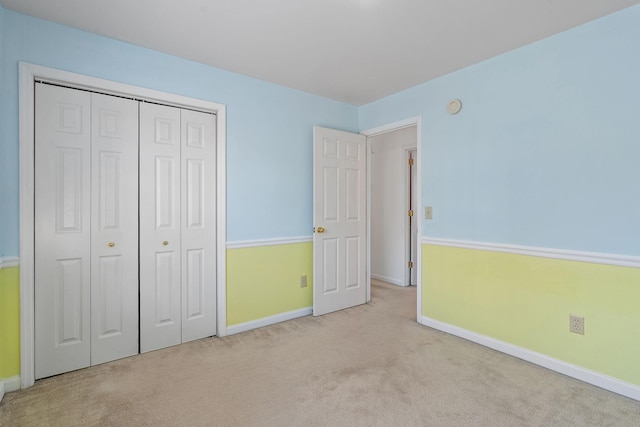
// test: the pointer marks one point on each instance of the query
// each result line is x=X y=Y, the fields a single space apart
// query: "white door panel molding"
x=339 y=241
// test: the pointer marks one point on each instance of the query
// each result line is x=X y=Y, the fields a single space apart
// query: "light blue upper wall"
x=269 y=127
x=546 y=149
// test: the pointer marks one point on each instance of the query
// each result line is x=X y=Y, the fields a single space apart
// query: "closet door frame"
x=29 y=74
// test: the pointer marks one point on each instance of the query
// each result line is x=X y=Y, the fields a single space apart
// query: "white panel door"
x=339 y=212
x=160 y=227
x=114 y=237
x=198 y=206
x=62 y=230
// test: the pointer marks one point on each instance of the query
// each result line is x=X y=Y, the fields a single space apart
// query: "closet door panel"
x=114 y=239
x=160 y=259
x=198 y=225
x=62 y=230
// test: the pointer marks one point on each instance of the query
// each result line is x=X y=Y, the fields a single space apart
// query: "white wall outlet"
x=576 y=324
x=303 y=281
x=428 y=212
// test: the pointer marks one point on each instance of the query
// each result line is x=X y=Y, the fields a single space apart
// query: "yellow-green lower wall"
x=526 y=301
x=261 y=282
x=9 y=322
x=265 y=281
x=518 y=299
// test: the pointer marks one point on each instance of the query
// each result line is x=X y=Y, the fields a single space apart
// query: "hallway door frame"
x=390 y=127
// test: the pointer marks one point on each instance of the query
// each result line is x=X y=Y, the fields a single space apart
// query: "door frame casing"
x=28 y=74
x=410 y=200
x=412 y=121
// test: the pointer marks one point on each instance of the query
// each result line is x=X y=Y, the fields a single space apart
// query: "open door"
x=339 y=218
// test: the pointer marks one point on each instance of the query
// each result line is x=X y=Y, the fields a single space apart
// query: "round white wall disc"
x=454 y=106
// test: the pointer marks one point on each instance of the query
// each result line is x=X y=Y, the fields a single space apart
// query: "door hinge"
x=411 y=162
x=411 y=212
x=410 y=264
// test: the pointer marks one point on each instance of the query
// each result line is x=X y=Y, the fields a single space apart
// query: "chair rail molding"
x=564 y=254
x=9 y=261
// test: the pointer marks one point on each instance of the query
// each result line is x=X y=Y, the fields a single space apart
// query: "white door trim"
x=407 y=201
x=29 y=73
x=412 y=121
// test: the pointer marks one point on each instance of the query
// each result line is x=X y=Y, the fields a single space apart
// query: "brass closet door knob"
x=320 y=230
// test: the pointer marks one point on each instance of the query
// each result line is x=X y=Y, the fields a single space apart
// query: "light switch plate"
x=428 y=213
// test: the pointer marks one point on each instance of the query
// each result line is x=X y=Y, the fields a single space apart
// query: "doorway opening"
x=394 y=204
x=393 y=239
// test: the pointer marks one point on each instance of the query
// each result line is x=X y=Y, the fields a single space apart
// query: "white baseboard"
x=387 y=279
x=266 y=321
x=592 y=377
x=8 y=385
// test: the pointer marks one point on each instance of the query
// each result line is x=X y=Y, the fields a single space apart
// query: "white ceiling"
x=354 y=51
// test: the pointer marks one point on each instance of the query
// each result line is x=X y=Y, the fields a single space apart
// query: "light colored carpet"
x=371 y=365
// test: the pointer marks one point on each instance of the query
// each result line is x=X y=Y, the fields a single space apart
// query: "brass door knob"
x=111 y=244
x=165 y=243
x=320 y=230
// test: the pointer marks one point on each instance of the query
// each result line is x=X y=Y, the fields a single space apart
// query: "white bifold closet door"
x=86 y=229
x=177 y=226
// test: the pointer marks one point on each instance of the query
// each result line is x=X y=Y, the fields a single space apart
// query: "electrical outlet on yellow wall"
x=576 y=324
